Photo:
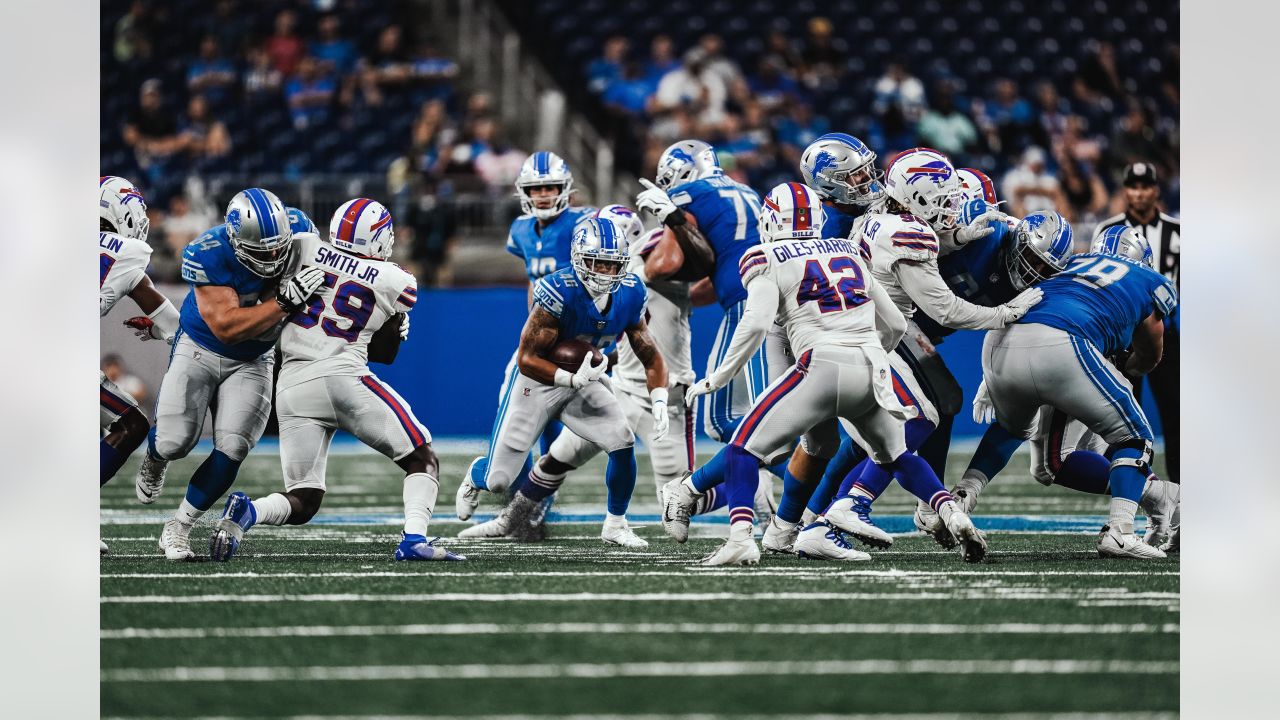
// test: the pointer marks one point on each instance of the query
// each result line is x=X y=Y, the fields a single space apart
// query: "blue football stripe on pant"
x=497 y=423
x=720 y=412
x=1117 y=396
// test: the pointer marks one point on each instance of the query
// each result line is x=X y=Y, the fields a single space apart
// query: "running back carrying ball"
x=568 y=354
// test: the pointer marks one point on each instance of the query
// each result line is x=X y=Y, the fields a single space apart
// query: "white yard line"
x=467 y=629
x=386 y=673
x=681 y=573
x=736 y=716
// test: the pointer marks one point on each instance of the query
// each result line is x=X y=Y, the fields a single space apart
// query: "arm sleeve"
x=165 y=321
x=762 y=308
x=891 y=324
x=924 y=285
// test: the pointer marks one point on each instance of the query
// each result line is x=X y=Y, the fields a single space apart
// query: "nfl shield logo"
x=600 y=324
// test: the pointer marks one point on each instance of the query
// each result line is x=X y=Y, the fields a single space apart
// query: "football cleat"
x=678 y=504
x=821 y=541
x=175 y=541
x=418 y=547
x=1171 y=546
x=928 y=522
x=1113 y=543
x=808 y=517
x=1159 y=502
x=468 y=495
x=779 y=535
x=842 y=515
x=735 y=551
x=102 y=548
x=149 y=481
x=966 y=500
x=971 y=539
x=765 y=505
x=519 y=510
x=615 y=531
x=237 y=517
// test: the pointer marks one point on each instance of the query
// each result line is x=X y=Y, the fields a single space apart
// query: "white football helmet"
x=924 y=182
x=842 y=169
x=363 y=227
x=259 y=230
x=540 y=169
x=1041 y=246
x=625 y=219
x=975 y=184
x=791 y=211
x=1124 y=241
x=599 y=254
x=685 y=161
x=122 y=207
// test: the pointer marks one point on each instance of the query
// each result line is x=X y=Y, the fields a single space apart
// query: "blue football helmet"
x=1124 y=241
x=842 y=169
x=599 y=254
x=1041 y=246
x=540 y=169
x=685 y=161
x=259 y=230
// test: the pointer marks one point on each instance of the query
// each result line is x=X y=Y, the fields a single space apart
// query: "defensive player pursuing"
x=359 y=315
x=1099 y=305
x=542 y=237
x=842 y=324
x=594 y=302
x=241 y=292
x=123 y=256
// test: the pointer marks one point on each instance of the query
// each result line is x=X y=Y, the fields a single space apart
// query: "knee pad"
x=173 y=448
x=233 y=445
x=309 y=500
x=1139 y=446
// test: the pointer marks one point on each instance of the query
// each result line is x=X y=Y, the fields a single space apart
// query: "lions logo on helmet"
x=259 y=231
x=842 y=169
x=363 y=227
x=599 y=254
x=121 y=208
x=685 y=161
x=791 y=211
x=1124 y=241
x=925 y=184
x=1041 y=246
x=544 y=169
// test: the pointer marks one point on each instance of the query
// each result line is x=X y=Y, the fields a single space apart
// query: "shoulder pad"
x=548 y=297
x=754 y=262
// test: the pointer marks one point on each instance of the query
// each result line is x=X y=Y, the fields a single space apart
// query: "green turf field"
x=318 y=621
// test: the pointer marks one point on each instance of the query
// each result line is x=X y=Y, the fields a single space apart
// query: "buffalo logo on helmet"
x=937 y=170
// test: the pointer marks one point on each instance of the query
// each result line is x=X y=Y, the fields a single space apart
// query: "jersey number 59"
x=351 y=301
x=848 y=292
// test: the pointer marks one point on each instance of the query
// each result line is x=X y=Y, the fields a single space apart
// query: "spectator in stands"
x=823 y=55
x=717 y=63
x=607 y=69
x=182 y=224
x=431 y=74
x=778 y=47
x=387 y=72
x=899 y=88
x=498 y=164
x=945 y=127
x=309 y=95
x=1084 y=193
x=433 y=132
x=152 y=132
x=1030 y=187
x=693 y=87
x=113 y=367
x=1053 y=111
x=336 y=55
x=1136 y=140
x=262 y=81
x=132 y=41
x=229 y=25
x=284 y=46
x=798 y=130
x=1007 y=119
x=662 y=58
x=1100 y=72
x=630 y=94
x=206 y=137
x=210 y=74
x=772 y=87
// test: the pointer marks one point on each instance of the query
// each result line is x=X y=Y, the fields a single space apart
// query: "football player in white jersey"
x=841 y=324
x=359 y=314
x=123 y=256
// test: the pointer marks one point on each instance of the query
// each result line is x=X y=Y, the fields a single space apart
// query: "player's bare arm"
x=220 y=307
x=646 y=350
x=160 y=318
x=702 y=292
x=147 y=297
x=1148 y=346
x=540 y=333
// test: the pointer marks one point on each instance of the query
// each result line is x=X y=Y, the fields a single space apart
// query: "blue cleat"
x=417 y=547
x=237 y=518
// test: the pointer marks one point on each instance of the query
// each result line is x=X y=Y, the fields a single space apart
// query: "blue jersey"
x=544 y=249
x=562 y=295
x=838 y=224
x=976 y=273
x=210 y=260
x=1102 y=298
x=726 y=211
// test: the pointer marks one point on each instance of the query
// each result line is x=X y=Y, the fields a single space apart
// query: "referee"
x=1142 y=195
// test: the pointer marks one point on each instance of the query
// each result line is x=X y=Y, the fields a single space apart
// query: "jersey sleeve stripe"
x=916 y=246
x=406 y=300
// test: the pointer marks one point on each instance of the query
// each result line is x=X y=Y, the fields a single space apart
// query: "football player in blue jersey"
x=541 y=237
x=1099 y=305
x=595 y=301
x=242 y=291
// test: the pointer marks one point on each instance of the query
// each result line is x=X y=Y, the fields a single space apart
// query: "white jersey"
x=667 y=315
x=331 y=336
x=123 y=265
x=825 y=291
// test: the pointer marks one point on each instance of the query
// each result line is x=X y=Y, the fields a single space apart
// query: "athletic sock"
x=779 y=469
x=836 y=477
x=212 y=479
x=715 y=499
x=540 y=486
x=620 y=479
x=110 y=461
x=273 y=509
x=1127 y=481
x=420 y=490
x=795 y=495
x=1122 y=513
x=933 y=448
x=917 y=477
x=187 y=514
x=741 y=479
x=710 y=474
x=1085 y=471
x=994 y=450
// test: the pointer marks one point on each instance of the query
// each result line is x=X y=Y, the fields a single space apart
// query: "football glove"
x=661 y=421
x=697 y=390
x=979 y=228
x=404 y=327
x=295 y=292
x=655 y=200
x=161 y=324
x=984 y=413
x=585 y=375
x=1013 y=310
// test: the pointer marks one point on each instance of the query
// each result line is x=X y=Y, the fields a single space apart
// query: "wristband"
x=658 y=395
x=563 y=378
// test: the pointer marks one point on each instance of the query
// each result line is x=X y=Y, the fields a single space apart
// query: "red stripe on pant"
x=113 y=403
x=406 y=420
x=1057 y=428
x=688 y=435
x=748 y=426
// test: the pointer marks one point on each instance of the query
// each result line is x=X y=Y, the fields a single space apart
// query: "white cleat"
x=1160 y=503
x=102 y=548
x=1171 y=547
x=678 y=505
x=972 y=540
x=615 y=531
x=966 y=499
x=468 y=496
x=928 y=522
x=808 y=517
x=766 y=506
x=495 y=528
x=735 y=551
x=149 y=481
x=779 y=536
x=175 y=541
x=821 y=541
x=841 y=515
x=1113 y=543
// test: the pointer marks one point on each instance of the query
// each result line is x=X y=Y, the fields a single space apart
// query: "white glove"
x=404 y=328
x=655 y=200
x=696 y=390
x=1013 y=310
x=661 y=421
x=298 y=289
x=979 y=228
x=984 y=413
x=586 y=374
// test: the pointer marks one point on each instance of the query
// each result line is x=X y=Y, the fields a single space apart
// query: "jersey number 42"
x=847 y=292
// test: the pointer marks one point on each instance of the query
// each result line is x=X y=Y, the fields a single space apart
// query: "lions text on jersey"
x=726 y=212
x=122 y=265
x=544 y=249
x=562 y=295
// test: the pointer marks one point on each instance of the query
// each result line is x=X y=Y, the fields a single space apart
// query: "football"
x=568 y=354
